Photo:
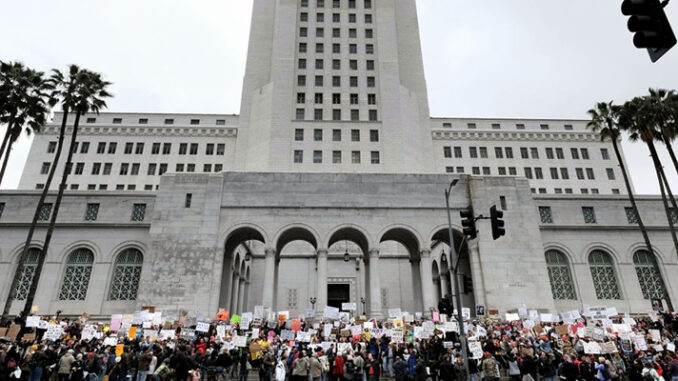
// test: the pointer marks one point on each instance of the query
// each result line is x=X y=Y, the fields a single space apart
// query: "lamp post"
x=363 y=301
x=313 y=300
x=454 y=262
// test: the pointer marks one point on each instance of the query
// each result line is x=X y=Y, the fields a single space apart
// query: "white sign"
x=202 y=327
x=331 y=313
x=53 y=332
x=592 y=348
x=546 y=318
x=397 y=335
x=33 y=321
x=512 y=317
x=394 y=313
x=476 y=349
x=327 y=330
x=466 y=313
x=349 y=306
x=110 y=342
x=240 y=341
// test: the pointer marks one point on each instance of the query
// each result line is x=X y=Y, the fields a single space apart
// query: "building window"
x=2 y=208
x=585 y=153
x=117 y=120
x=568 y=127
x=486 y=171
x=298 y=156
x=562 y=286
x=457 y=152
x=373 y=115
x=151 y=169
x=300 y=114
x=318 y=99
x=143 y=120
x=209 y=149
x=513 y=171
x=163 y=169
x=528 y=172
x=190 y=167
x=301 y=80
x=496 y=126
x=84 y=147
x=336 y=81
x=374 y=156
x=603 y=274
x=520 y=126
x=126 y=275
x=549 y=153
x=91 y=120
x=564 y=174
x=91 y=212
x=498 y=153
x=449 y=169
x=460 y=169
x=374 y=136
x=336 y=135
x=355 y=115
x=580 y=173
x=554 y=173
x=589 y=174
x=336 y=157
x=610 y=174
x=44 y=169
x=155 y=149
x=218 y=167
x=544 y=126
x=336 y=114
x=559 y=153
x=317 y=157
x=575 y=153
x=473 y=152
x=318 y=114
x=538 y=173
x=545 y=214
x=207 y=168
x=604 y=154
x=355 y=157
x=138 y=212
x=371 y=82
x=447 y=152
x=318 y=135
x=194 y=149
x=475 y=170
x=471 y=126
x=77 y=275
x=45 y=211
x=299 y=135
x=51 y=147
x=26 y=273
x=651 y=282
x=589 y=214
x=355 y=135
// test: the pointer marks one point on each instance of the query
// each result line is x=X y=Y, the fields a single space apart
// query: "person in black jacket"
x=446 y=369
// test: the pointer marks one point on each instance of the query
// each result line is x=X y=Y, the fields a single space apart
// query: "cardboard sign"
x=331 y=313
x=296 y=325
x=119 y=348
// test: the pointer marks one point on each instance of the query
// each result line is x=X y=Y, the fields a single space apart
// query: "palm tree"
x=635 y=118
x=605 y=121
x=663 y=106
x=63 y=91
x=24 y=95
x=88 y=93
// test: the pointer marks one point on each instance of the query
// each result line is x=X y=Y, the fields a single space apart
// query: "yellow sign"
x=132 y=333
x=118 y=350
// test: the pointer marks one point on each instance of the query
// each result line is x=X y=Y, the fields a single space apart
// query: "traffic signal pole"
x=457 y=289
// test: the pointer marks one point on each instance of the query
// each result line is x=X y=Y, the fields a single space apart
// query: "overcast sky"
x=490 y=58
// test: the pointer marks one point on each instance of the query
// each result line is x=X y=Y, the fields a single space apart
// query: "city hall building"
x=329 y=188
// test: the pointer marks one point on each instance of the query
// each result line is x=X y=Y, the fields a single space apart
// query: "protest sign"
x=240 y=341
x=397 y=335
x=296 y=325
x=53 y=332
x=512 y=317
x=202 y=327
x=592 y=348
x=259 y=312
x=641 y=344
x=331 y=313
x=466 y=313
x=476 y=349
x=32 y=321
x=349 y=306
x=394 y=313
x=119 y=349
x=656 y=335
x=533 y=315
x=546 y=318
x=246 y=319
x=110 y=342
x=287 y=335
x=116 y=322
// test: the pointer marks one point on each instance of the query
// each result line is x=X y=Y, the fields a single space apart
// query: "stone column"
x=235 y=294
x=444 y=286
x=426 y=280
x=375 y=285
x=269 y=277
x=241 y=295
x=321 y=281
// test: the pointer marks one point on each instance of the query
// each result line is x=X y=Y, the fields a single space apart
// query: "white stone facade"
x=264 y=207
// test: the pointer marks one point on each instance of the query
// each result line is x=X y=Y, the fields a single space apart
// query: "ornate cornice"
x=528 y=136
x=151 y=131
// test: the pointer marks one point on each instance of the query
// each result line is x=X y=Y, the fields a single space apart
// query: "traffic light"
x=651 y=26
x=497 y=222
x=469 y=223
x=468 y=284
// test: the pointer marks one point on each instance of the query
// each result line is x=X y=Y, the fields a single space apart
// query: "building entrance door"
x=337 y=294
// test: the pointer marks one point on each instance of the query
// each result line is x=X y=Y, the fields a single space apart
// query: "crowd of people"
x=404 y=349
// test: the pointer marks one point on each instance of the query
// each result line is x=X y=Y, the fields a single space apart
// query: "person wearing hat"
x=490 y=367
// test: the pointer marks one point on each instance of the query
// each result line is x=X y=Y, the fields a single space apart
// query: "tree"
x=636 y=118
x=23 y=104
x=89 y=91
x=81 y=91
x=605 y=121
x=663 y=108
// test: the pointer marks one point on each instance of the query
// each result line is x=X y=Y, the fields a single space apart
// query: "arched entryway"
x=344 y=279
x=237 y=256
x=440 y=249
x=402 y=287
x=295 y=248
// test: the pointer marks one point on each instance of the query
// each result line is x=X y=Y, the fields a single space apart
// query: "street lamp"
x=443 y=257
x=454 y=263
x=363 y=301
x=313 y=300
x=347 y=256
